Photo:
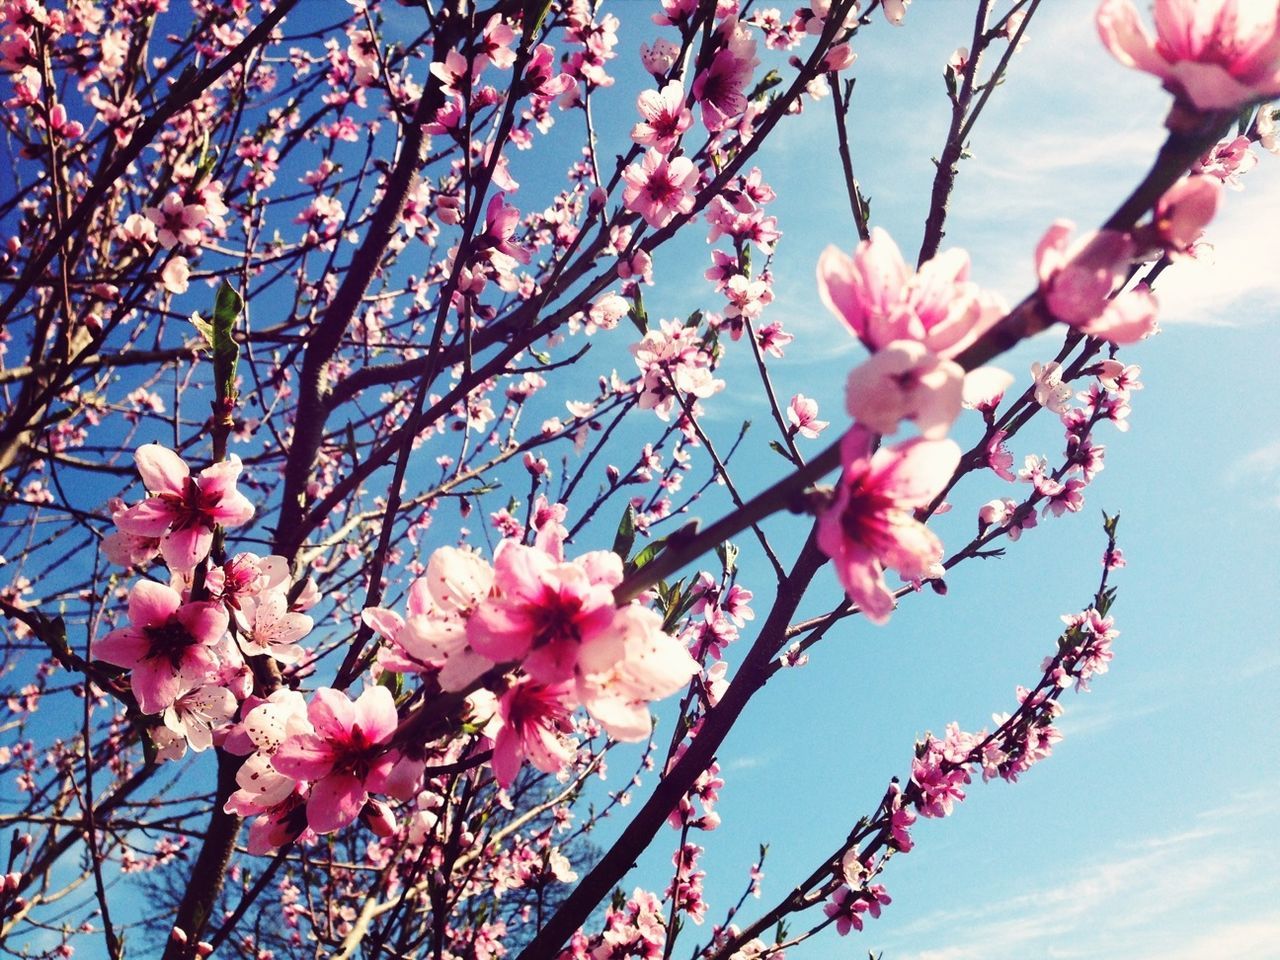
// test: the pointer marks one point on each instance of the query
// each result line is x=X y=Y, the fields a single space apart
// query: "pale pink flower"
x=177 y=222
x=895 y=11
x=197 y=713
x=904 y=380
x=665 y=117
x=184 y=510
x=275 y=629
x=1077 y=281
x=623 y=669
x=434 y=634
x=346 y=758
x=660 y=58
x=802 y=414
x=883 y=300
x=869 y=527
x=1185 y=210
x=167 y=644
x=658 y=188
x=1214 y=55
x=1229 y=160
x=176 y=276
x=1049 y=390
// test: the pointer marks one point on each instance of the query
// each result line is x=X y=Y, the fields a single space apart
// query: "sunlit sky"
x=1150 y=833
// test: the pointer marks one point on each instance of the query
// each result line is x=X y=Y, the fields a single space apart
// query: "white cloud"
x=1174 y=895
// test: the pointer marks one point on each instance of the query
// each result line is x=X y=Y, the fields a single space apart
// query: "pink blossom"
x=544 y=610
x=665 y=117
x=178 y=223
x=166 y=645
x=882 y=300
x=534 y=724
x=184 y=510
x=1077 y=281
x=870 y=527
x=197 y=713
x=1214 y=55
x=802 y=413
x=346 y=758
x=719 y=87
x=1185 y=210
x=904 y=380
x=658 y=188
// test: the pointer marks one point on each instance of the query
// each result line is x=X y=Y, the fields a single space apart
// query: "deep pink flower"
x=347 y=757
x=535 y=723
x=719 y=88
x=166 y=645
x=545 y=610
x=883 y=300
x=184 y=510
x=870 y=527
x=658 y=188
x=1212 y=54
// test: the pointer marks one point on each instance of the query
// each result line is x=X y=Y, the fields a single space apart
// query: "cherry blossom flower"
x=534 y=724
x=1213 y=55
x=658 y=188
x=266 y=725
x=346 y=758
x=166 y=645
x=1049 y=390
x=177 y=222
x=665 y=117
x=1077 y=281
x=883 y=300
x=719 y=87
x=275 y=629
x=545 y=611
x=904 y=380
x=184 y=510
x=802 y=414
x=869 y=527
x=197 y=713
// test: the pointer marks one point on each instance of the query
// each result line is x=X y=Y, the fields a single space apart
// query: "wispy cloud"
x=1258 y=473
x=1158 y=898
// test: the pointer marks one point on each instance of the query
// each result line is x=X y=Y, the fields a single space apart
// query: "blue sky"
x=1150 y=832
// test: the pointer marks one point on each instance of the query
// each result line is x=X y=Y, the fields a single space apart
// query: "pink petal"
x=331 y=713
x=184 y=549
x=150 y=518
x=304 y=757
x=206 y=622
x=151 y=604
x=1122 y=32
x=123 y=647
x=162 y=470
x=335 y=802
x=375 y=711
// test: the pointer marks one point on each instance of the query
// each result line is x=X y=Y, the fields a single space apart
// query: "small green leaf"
x=637 y=313
x=226 y=352
x=625 y=538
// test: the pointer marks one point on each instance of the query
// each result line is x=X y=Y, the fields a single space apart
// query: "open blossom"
x=177 y=222
x=1077 y=281
x=533 y=722
x=346 y=758
x=906 y=381
x=198 y=712
x=434 y=634
x=883 y=300
x=184 y=510
x=665 y=117
x=869 y=527
x=1215 y=55
x=802 y=414
x=167 y=644
x=544 y=610
x=673 y=358
x=275 y=629
x=264 y=728
x=658 y=188
x=720 y=87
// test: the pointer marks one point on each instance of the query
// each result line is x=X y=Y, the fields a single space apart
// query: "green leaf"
x=646 y=555
x=637 y=313
x=728 y=554
x=226 y=352
x=625 y=538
